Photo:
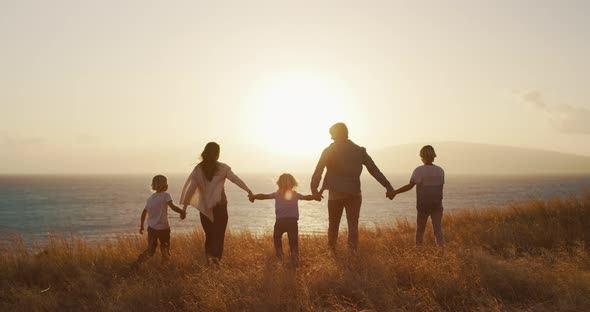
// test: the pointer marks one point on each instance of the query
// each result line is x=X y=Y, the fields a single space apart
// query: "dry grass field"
x=531 y=256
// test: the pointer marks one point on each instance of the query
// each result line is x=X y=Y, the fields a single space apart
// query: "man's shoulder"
x=350 y=145
x=346 y=147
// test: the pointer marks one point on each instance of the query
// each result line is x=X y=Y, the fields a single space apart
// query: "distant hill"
x=455 y=157
x=472 y=158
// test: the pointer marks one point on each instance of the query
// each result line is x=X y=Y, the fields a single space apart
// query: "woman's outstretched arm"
x=237 y=181
x=189 y=189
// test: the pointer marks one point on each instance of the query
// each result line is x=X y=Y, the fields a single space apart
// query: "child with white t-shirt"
x=287 y=214
x=429 y=180
x=156 y=210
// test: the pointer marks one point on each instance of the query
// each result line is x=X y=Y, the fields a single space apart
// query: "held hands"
x=183 y=215
x=317 y=194
x=251 y=196
x=390 y=194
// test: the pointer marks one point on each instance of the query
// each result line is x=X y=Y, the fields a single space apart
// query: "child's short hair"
x=286 y=182
x=159 y=183
x=427 y=153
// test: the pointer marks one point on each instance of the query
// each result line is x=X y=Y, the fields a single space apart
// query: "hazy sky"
x=141 y=86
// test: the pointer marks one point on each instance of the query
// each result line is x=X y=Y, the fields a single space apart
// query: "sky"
x=141 y=86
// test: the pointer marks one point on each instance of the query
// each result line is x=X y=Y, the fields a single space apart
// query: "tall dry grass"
x=532 y=256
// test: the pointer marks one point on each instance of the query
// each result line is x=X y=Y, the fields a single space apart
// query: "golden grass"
x=532 y=256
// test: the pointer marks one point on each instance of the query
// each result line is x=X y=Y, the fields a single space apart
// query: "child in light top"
x=156 y=210
x=429 y=180
x=287 y=214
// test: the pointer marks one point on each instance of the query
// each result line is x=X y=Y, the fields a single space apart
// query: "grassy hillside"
x=531 y=256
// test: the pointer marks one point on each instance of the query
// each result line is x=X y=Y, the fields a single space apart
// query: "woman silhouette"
x=204 y=190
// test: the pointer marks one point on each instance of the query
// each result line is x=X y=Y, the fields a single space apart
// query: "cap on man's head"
x=339 y=131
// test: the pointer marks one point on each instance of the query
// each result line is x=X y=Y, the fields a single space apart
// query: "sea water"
x=101 y=207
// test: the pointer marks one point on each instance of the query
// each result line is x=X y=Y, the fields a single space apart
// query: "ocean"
x=101 y=207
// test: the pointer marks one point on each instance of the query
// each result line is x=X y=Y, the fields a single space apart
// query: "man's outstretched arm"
x=376 y=173
x=317 y=174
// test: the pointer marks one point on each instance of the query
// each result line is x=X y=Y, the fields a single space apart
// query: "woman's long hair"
x=209 y=158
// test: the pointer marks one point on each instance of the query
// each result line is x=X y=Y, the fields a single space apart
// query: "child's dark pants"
x=153 y=237
x=290 y=226
x=436 y=217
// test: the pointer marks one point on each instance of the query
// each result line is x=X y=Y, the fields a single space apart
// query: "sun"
x=293 y=113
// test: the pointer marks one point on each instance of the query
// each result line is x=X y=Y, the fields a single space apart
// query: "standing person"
x=344 y=162
x=287 y=214
x=156 y=210
x=204 y=189
x=430 y=180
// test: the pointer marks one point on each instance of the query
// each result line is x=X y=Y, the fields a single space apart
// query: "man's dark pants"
x=352 y=205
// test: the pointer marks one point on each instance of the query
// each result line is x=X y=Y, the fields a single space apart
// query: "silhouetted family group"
x=343 y=161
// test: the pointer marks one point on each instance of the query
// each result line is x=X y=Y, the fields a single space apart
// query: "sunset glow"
x=92 y=87
x=295 y=110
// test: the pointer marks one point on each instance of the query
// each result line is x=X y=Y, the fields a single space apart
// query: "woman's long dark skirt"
x=215 y=231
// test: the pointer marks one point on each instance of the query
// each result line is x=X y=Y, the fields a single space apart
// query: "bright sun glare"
x=295 y=111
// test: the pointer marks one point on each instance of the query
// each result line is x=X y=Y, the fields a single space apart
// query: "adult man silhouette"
x=344 y=162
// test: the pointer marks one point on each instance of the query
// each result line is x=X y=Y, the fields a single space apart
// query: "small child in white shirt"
x=156 y=209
